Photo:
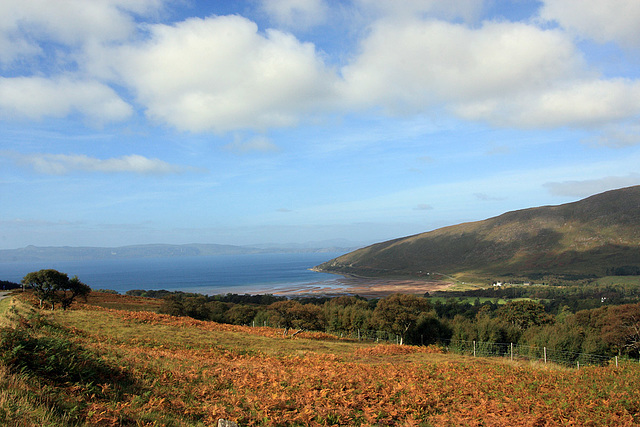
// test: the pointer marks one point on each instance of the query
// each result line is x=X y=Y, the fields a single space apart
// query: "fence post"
x=545 y=355
x=578 y=362
x=512 y=352
x=616 y=361
x=474 y=349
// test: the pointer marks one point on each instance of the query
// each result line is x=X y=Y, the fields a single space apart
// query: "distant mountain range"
x=66 y=253
x=593 y=236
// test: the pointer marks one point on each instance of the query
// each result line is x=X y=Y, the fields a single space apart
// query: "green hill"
x=588 y=237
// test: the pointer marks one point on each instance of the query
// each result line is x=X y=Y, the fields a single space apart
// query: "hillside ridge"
x=583 y=238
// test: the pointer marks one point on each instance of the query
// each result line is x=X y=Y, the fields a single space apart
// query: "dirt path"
x=3 y=294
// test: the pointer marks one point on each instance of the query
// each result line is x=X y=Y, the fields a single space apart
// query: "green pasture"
x=618 y=280
x=472 y=300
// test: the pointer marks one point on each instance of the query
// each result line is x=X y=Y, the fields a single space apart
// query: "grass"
x=135 y=367
x=472 y=300
x=619 y=280
x=4 y=305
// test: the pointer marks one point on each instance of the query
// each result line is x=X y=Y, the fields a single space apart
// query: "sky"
x=303 y=121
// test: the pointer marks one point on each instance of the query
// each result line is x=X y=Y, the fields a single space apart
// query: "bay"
x=211 y=275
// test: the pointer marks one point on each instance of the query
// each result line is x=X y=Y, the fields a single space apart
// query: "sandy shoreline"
x=362 y=286
x=339 y=285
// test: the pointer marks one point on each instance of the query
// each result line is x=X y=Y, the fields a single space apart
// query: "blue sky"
x=291 y=121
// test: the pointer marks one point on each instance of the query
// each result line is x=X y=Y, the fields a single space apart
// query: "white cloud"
x=220 y=74
x=602 y=21
x=37 y=97
x=591 y=186
x=507 y=74
x=585 y=103
x=418 y=64
x=297 y=14
x=25 y=23
x=60 y=164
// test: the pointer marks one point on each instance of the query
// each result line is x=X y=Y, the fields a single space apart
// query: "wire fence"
x=513 y=351
x=508 y=351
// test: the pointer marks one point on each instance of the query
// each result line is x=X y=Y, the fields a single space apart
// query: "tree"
x=622 y=328
x=524 y=314
x=52 y=286
x=291 y=314
x=399 y=313
x=74 y=289
x=346 y=314
x=283 y=313
x=241 y=314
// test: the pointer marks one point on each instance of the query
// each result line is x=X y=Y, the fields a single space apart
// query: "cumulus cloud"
x=505 y=73
x=60 y=164
x=297 y=14
x=36 y=97
x=602 y=21
x=592 y=186
x=220 y=74
x=25 y=23
x=584 y=103
x=419 y=64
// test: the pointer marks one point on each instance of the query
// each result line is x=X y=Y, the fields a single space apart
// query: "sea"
x=210 y=275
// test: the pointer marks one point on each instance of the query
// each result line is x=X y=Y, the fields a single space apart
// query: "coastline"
x=364 y=287
x=339 y=286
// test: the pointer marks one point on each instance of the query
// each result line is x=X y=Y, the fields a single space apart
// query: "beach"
x=365 y=287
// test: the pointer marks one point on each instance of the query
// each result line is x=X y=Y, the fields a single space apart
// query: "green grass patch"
x=4 y=305
x=619 y=280
x=472 y=300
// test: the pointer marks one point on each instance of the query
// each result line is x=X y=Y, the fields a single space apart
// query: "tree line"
x=580 y=318
x=607 y=330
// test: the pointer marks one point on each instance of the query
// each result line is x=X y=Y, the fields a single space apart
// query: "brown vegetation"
x=143 y=368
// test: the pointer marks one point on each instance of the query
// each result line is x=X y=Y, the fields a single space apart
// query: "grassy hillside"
x=582 y=238
x=107 y=366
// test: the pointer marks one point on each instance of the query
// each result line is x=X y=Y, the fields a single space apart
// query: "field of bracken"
x=95 y=365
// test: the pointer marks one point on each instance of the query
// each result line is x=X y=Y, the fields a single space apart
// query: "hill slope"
x=98 y=367
x=582 y=238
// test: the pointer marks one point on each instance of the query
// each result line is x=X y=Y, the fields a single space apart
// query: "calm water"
x=252 y=273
